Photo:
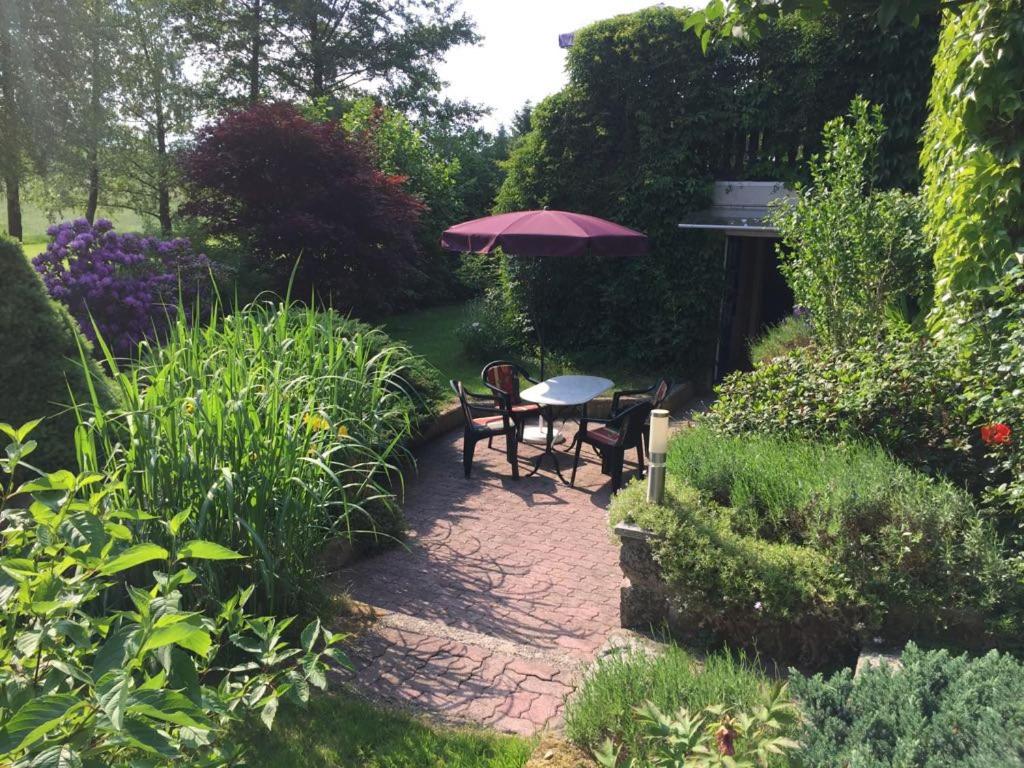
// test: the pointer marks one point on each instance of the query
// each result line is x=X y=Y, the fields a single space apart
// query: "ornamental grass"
x=270 y=431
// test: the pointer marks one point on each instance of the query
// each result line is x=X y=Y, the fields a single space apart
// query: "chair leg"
x=575 y=463
x=512 y=452
x=616 y=462
x=640 y=459
x=490 y=442
x=468 y=448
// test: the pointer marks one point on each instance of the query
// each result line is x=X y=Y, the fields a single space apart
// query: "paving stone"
x=525 y=571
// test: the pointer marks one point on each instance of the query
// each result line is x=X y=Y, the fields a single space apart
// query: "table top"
x=566 y=390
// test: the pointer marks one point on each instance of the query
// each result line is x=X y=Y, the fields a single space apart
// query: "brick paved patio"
x=504 y=592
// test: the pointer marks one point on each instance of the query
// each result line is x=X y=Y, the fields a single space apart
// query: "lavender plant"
x=125 y=285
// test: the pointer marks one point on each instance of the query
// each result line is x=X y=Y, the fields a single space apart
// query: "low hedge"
x=903 y=392
x=802 y=550
x=933 y=710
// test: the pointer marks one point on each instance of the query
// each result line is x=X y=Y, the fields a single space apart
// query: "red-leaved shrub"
x=287 y=187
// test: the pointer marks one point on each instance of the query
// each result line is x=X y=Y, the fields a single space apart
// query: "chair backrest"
x=503 y=375
x=631 y=424
x=460 y=391
x=661 y=393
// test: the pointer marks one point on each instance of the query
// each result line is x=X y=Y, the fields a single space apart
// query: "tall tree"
x=79 y=72
x=241 y=44
x=342 y=44
x=157 y=103
x=21 y=98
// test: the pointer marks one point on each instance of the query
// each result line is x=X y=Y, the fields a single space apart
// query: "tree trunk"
x=10 y=160
x=13 y=188
x=163 y=188
x=92 y=201
x=92 y=154
x=255 y=52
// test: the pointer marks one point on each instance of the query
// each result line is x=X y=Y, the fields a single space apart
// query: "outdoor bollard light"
x=657 y=444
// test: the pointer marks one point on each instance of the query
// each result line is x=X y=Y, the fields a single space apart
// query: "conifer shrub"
x=933 y=709
x=41 y=372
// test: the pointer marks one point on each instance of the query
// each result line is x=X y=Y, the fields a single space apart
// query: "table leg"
x=548 y=414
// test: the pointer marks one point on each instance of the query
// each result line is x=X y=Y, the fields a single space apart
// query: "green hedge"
x=802 y=550
x=903 y=392
x=41 y=372
x=934 y=711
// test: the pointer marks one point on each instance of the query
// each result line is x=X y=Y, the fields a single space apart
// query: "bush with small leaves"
x=98 y=671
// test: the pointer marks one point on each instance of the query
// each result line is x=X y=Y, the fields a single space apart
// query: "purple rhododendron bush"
x=129 y=285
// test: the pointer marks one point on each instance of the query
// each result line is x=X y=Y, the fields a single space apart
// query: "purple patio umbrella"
x=544 y=234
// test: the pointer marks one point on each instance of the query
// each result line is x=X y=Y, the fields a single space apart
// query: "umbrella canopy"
x=544 y=234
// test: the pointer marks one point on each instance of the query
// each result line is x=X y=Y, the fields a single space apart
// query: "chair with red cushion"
x=614 y=436
x=502 y=378
x=654 y=394
x=484 y=422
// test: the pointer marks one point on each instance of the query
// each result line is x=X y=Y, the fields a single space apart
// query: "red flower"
x=996 y=434
x=724 y=736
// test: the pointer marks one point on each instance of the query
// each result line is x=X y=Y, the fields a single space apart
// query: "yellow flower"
x=316 y=422
x=342 y=431
x=189 y=406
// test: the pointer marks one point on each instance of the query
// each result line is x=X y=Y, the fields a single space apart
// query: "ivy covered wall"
x=973 y=158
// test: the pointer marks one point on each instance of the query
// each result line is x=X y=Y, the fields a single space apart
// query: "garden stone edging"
x=450 y=417
x=643 y=599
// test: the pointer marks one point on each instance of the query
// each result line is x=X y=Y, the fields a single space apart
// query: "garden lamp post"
x=658 y=447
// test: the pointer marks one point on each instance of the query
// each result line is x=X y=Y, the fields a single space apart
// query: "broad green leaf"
x=183 y=634
x=178 y=520
x=310 y=635
x=140 y=553
x=59 y=756
x=268 y=712
x=112 y=694
x=151 y=740
x=206 y=550
x=38 y=717
x=24 y=429
x=83 y=529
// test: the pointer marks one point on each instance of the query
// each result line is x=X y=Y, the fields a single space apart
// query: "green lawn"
x=339 y=731
x=431 y=333
x=34 y=222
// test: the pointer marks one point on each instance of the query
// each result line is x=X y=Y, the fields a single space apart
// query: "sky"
x=519 y=58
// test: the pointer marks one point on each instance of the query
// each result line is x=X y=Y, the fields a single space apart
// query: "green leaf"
x=178 y=520
x=38 y=717
x=83 y=529
x=25 y=428
x=206 y=550
x=112 y=694
x=140 y=553
x=310 y=634
x=60 y=756
x=182 y=634
x=268 y=712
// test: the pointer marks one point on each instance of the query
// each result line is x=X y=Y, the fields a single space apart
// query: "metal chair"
x=654 y=394
x=502 y=378
x=618 y=434
x=485 y=422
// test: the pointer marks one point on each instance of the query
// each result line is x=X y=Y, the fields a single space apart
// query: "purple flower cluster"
x=128 y=284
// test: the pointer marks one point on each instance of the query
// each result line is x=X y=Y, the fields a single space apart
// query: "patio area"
x=505 y=590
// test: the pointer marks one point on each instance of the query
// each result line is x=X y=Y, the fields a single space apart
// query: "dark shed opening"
x=755 y=295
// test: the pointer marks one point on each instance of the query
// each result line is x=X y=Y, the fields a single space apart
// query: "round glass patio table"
x=560 y=392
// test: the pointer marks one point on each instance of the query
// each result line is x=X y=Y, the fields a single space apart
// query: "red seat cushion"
x=603 y=435
x=525 y=408
x=486 y=421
